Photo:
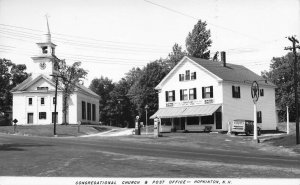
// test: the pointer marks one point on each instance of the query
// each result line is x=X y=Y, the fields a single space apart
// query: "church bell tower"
x=45 y=60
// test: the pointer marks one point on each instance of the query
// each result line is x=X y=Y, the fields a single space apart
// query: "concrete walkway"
x=113 y=132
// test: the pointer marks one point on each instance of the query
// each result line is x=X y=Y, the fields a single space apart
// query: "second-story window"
x=183 y=94
x=170 y=96
x=236 y=92
x=29 y=101
x=181 y=77
x=207 y=92
x=42 y=101
x=192 y=94
x=187 y=75
x=193 y=76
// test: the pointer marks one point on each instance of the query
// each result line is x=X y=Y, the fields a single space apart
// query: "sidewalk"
x=113 y=132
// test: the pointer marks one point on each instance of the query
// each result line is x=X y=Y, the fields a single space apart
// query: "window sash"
x=42 y=115
x=29 y=101
x=42 y=101
x=187 y=75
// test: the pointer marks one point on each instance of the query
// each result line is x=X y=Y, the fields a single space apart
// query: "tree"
x=10 y=76
x=198 y=41
x=281 y=74
x=124 y=108
x=175 y=56
x=103 y=86
x=142 y=92
x=70 y=76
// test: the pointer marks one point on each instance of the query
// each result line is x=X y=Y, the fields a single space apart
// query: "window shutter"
x=211 y=91
x=173 y=95
x=233 y=92
x=203 y=93
x=179 y=77
x=166 y=96
x=195 y=75
x=195 y=93
x=181 y=98
x=239 y=92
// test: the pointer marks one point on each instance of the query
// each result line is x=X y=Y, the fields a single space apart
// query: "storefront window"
x=193 y=121
x=207 y=120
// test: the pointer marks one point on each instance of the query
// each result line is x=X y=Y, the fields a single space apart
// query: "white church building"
x=199 y=93
x=34 y=99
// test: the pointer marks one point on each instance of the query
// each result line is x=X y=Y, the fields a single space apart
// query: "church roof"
x=29 y=81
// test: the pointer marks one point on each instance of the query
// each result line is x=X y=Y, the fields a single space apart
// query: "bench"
x=207 y=128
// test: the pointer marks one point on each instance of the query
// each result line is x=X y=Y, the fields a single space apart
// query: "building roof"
x=232 y=72
x=87 y=90
x=29 y=81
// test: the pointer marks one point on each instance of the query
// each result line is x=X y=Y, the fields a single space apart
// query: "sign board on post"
x=255 y=96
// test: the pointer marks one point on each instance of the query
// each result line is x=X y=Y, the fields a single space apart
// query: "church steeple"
x=48 y=34
x=46 y=57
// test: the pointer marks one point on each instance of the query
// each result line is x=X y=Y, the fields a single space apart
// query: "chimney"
x=223 y=58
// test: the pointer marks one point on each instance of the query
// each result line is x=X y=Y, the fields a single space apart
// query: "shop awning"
x=175 y=112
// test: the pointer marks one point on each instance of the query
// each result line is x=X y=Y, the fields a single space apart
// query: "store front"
x=193 y=118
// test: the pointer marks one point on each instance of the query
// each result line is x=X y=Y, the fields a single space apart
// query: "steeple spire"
x=48 y=34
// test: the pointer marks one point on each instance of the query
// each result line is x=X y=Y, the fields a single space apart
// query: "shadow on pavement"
x=18 y=147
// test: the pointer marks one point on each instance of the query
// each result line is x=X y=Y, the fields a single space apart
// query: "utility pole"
x=294 y=41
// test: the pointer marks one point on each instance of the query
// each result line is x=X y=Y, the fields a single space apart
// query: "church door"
x=30 y=118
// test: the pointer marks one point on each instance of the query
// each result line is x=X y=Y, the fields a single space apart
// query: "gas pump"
x=157 y=127
x=137 y=126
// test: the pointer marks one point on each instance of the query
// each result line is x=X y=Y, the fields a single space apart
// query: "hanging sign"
x=255 y=91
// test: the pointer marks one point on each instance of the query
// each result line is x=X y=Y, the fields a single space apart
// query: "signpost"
x=255 y=96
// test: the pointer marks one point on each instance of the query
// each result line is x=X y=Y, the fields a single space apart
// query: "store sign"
x=190 y=103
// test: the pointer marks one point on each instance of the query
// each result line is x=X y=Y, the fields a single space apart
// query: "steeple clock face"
x=42 y=65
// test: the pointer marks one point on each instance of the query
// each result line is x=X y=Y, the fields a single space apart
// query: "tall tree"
x=103 y=86
x=175 y=56
x=10 y=76
x=142 y=92
x=198 y=41
x=124 y=110
x=70 y=77
x=281 y=74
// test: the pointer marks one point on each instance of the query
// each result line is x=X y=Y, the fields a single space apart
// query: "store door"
x=182 y=122
x=218 y=120
x=30 y=118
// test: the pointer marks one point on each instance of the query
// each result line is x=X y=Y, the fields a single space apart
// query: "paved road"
x=109 y=157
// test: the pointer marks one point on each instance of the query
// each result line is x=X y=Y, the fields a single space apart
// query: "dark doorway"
x=218 y=120
x=30 y=118
x=182 y=122
x=177 y=123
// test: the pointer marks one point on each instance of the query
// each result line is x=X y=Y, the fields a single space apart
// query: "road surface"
x=110 y=157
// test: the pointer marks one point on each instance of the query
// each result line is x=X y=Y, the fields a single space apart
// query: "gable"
x=202 y=74
x=40 y=83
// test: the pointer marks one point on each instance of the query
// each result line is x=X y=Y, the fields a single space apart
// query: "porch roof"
x=175 y=112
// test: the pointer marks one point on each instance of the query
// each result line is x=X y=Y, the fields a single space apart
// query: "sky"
x=110 y=37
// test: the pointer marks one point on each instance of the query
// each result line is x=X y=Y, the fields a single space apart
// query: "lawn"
x=287 y=141
x=47 y=130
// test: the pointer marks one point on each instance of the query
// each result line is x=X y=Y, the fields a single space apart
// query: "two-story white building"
x=34 y=99
x=198 y=93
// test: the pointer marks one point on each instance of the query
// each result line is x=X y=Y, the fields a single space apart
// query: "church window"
x=29 y=101
x=42 y=101
x=89 y=111
x=42 y=115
